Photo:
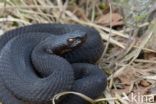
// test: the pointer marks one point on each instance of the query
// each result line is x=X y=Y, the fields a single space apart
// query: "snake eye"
x=73 y=42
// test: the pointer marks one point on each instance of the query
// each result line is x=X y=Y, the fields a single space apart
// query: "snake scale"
x=40 y=60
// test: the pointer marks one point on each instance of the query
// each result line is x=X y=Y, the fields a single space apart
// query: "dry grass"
x=122 y=48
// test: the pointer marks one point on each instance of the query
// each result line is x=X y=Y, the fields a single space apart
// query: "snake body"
x=41 y=60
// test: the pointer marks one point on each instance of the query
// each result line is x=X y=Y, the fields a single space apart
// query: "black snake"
x=41 y=60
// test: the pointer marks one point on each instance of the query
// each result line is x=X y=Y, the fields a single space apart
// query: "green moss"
x=103 y=6
x=140 y=18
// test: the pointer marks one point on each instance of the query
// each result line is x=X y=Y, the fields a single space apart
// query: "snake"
x=38 y=61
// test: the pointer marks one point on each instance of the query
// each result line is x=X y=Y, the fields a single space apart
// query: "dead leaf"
x=149 y=56
x=145 y=83
x=79 y=12
x=127 y=77
x=117 y=20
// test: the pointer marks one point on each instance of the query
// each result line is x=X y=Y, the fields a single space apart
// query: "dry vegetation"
x=128 y=59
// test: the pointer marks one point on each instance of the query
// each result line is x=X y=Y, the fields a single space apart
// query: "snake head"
x=67 y=42
x=76 y=39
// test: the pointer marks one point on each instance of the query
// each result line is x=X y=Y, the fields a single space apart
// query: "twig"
x=30 y=7
x=11 y=19
x=110 y=32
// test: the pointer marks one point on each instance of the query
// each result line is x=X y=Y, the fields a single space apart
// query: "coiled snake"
x=41 y=60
